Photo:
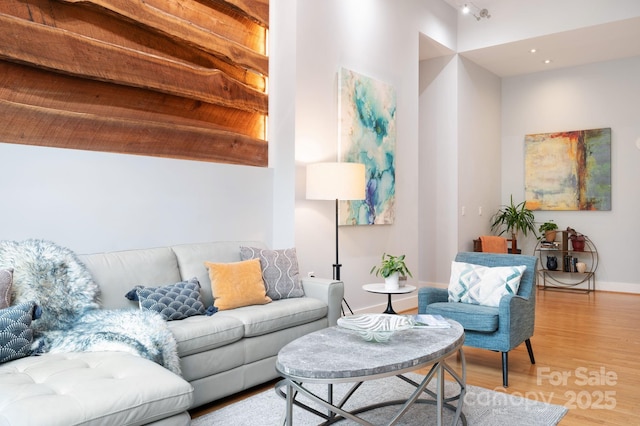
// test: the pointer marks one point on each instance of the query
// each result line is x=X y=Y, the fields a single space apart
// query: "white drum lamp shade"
x=336 y=181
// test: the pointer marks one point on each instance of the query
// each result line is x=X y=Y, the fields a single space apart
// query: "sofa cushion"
x=202 y=333
x=16 y=333
x=174 y=301
x=110 y=388
x=277 y=315
x=237 y=284
x=483 y=285
x=6 y=280
x=118 y=272
x=280 y=271
x=472 y=317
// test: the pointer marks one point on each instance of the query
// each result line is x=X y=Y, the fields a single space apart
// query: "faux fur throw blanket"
x=71 y=321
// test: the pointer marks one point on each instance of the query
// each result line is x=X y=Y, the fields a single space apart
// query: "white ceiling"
x=596 y=43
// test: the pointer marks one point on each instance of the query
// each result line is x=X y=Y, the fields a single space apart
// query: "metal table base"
x=336 y=412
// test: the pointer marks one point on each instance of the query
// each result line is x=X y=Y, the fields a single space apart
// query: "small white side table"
x=380 y=288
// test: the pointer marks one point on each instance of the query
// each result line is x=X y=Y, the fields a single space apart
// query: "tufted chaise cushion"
x=91 y=388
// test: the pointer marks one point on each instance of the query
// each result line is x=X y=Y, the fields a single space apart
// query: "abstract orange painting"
x=568 y=170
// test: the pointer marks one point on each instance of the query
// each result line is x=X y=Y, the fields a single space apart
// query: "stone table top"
x=336 y=354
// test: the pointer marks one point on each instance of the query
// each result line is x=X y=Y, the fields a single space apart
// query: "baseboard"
x=631 y=288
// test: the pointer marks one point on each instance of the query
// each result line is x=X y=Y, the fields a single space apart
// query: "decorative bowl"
x=375 y=327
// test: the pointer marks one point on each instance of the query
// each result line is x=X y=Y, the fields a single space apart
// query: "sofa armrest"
x=330 y=292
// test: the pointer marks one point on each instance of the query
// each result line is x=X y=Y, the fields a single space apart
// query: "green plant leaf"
x=390 y=264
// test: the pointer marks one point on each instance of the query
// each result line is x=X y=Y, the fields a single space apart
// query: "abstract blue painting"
x=367 y=117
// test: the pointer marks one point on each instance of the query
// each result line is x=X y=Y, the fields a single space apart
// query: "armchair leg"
x=530 y=350
x=505 y=369
x=505 y=363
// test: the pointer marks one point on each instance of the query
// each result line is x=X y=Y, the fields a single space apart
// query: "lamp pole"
x=337 y=265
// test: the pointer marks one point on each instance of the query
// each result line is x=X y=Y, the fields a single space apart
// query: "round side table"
x=380 y=288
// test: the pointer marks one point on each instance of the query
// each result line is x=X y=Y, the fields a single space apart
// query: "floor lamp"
x=336 y=181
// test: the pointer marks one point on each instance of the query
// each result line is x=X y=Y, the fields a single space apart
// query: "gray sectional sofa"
x=219 y=355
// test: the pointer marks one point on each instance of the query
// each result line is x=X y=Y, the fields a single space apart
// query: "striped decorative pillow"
x=483 y=285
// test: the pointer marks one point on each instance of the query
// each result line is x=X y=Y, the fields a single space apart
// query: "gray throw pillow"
x=16 y=333
x=6 y=280
x=280 y=271
x=174 y=302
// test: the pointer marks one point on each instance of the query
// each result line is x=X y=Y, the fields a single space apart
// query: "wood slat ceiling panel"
x=167 y=76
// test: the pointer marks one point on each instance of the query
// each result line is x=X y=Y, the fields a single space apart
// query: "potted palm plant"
x=390 y=268
x=513 y=219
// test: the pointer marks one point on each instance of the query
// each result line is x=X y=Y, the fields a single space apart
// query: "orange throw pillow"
x=237 y=284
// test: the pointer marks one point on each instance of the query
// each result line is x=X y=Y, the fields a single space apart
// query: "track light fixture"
x=475 y=11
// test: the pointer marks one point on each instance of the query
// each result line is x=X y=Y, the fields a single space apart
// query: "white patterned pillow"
x=280 y=271
x=483 y=285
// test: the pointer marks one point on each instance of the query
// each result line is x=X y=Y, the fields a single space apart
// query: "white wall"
x=377 y=38
x=282 y=76
x=438 y=167
x=460 y=163
x=91 y=201
x=479 y=161
x=586 y=97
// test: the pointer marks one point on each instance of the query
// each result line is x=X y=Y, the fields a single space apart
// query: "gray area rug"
x=481 y=407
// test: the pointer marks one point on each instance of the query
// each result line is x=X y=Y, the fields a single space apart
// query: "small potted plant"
x=549 y=230
x=577 y=239
x=390 y=268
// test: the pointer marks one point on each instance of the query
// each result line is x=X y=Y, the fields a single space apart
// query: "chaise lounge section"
x=219 y=355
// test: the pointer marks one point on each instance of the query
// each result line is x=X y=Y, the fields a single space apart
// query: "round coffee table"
x=337 y=355
x=381 y=288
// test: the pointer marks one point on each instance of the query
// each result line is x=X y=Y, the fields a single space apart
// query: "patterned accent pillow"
x=16 y=333
x=6 y=281
x=174 y=302
x=280 y=271
x=483 y=285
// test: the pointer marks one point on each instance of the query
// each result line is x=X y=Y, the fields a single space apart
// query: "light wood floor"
x=587 y=350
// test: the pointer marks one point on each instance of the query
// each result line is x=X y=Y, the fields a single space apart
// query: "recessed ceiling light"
x=547 y=61
x=533 y=51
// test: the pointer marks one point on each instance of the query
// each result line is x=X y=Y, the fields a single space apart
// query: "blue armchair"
x=499 y=328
